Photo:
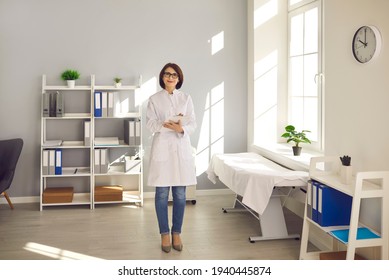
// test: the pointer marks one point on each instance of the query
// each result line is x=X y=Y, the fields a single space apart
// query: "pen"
x=75 y=171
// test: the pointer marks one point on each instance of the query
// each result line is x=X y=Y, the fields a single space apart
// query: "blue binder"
x=98 y=99
x=315 y=185
x=309 y=199
x=333 y=207
x=58 y=162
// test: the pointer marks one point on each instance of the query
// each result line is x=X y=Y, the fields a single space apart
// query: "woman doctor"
x=171 y=119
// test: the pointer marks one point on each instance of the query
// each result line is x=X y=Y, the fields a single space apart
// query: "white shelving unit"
x=131 y=181
x=79 y=107
x=364 y=185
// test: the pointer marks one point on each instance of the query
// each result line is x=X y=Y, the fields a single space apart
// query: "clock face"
x=366 y=44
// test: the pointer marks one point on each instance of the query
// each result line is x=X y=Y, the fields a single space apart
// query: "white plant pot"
x=71 y=83
x=346 y=174
x=118 y=85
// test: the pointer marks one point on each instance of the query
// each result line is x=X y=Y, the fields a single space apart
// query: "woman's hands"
x=176 y=126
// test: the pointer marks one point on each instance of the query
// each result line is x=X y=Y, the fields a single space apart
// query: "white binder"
x=137 y=132
x=45 y=162
x=51 y=162
x=46 y=104
x=111 y=104
x=87 y=133
x=59 y=105
x=104 y=104
x=97 y=161
x=104 y=160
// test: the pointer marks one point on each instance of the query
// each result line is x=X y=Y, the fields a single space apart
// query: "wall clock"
x=366 y=43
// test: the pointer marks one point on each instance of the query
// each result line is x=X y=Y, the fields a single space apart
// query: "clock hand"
x=365 y=36
x=365 y=44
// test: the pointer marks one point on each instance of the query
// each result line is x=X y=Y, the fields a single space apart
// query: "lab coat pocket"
x=159 y=150
x=186 y=149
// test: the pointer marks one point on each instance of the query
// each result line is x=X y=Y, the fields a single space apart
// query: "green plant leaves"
x=298 y=137
x=70 y=74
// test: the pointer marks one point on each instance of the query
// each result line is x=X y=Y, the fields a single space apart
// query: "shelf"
x=326 y=229
x=71 y=116
x=333 y=181
x=74 y=145
x=128 y=197
x=70 y=172
x=121 y=145
x=131 y=115
x=78 y=199
x=61 y=88
x=117 y=173
x=113 y=88
x=68 y=145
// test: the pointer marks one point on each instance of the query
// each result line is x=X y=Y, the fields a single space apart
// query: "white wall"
x=125 y=38
x=356 y=95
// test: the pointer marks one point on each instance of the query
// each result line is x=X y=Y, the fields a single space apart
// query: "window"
x=304 y=71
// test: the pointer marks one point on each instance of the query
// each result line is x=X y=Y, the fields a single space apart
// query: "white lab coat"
x=172 y=161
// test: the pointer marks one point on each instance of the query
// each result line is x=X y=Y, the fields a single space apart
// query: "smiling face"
x=170 y=79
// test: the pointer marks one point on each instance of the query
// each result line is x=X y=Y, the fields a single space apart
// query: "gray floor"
x=117 y=232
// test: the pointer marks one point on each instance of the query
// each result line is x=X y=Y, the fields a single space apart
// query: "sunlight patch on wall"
x=265 y=64
x=146 y=89
x=265 y=13
x=203 y=150
x=217 y=114
x=217 y=43
x=56 y=253
x=265 y=99
x=292 y=2
x=211 y=138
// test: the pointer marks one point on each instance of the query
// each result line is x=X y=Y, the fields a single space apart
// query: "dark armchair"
x=9 y=155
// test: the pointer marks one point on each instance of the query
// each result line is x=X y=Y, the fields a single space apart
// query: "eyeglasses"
x=168 y=75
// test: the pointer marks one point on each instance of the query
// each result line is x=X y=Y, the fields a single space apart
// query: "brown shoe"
x=177 y=243
x=165 y=243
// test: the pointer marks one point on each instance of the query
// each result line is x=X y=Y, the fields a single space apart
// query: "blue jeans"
x=161 y=207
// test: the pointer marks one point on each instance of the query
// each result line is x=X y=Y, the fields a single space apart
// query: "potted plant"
x=70 y=76
x=118 y=81
x=297 y=137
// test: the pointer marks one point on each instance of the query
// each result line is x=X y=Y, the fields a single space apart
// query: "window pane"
x=310 y=71
x=311 y=31
x=310 y=117
x=296 y=35
x=296 y=76
x=297 y=112
x=304 y=62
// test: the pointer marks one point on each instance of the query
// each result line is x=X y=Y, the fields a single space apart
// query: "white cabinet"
x=365 y=185
x=72 y=132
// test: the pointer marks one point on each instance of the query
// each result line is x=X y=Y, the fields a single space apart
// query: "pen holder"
x=345 y=174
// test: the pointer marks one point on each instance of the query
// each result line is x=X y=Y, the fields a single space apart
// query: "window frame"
x=300 y=8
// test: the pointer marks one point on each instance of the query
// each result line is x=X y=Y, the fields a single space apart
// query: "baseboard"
x=20 y=199
x=35 y=199
x=198 y=193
